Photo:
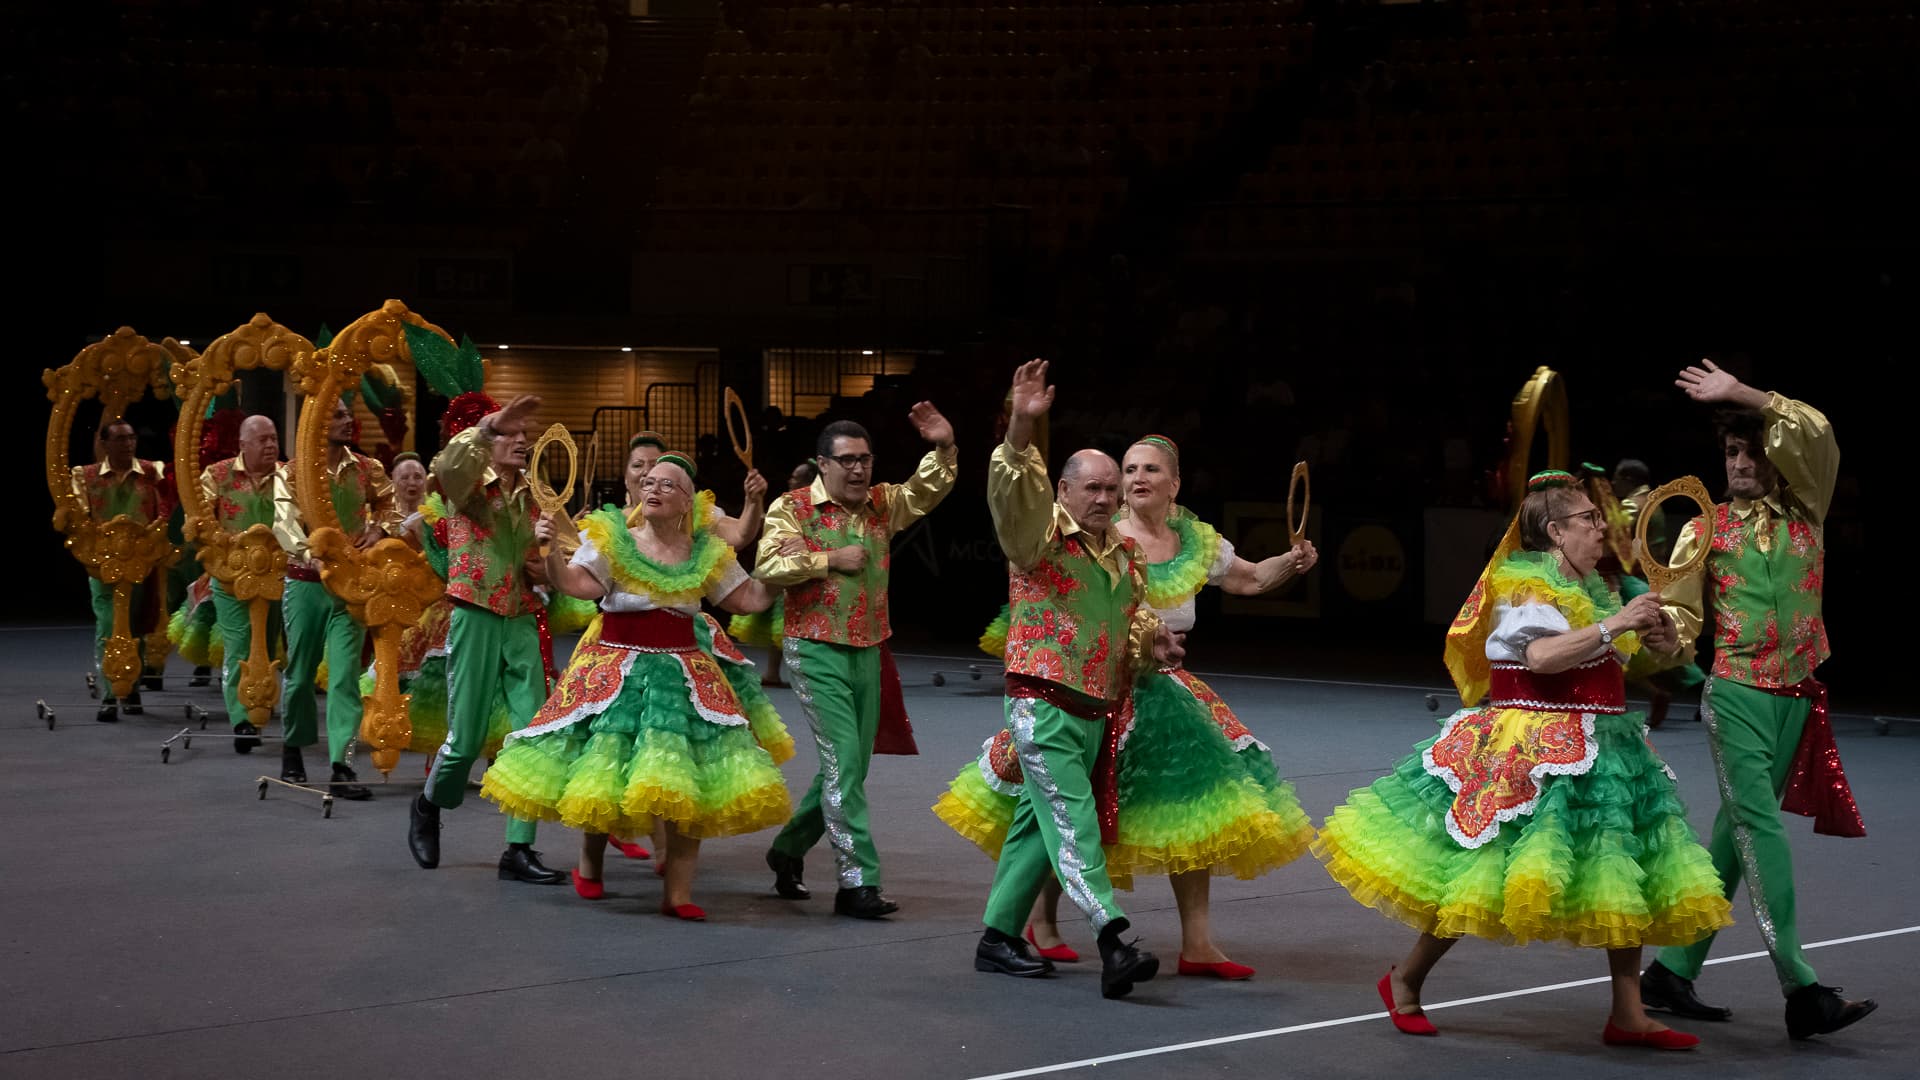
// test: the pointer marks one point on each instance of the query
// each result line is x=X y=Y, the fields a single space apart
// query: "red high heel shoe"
x=630 y=849
x=588 y=888
x=688 y=912
x=1652 y=1040
x=1059 y=954
x=1225 y=969
x=1406 y=1024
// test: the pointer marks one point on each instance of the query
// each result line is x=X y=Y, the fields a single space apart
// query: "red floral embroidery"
x=1492 y=779
x=1093 y=673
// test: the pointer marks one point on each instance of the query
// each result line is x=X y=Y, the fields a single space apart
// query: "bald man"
x=241 y=492
x=1078 y=628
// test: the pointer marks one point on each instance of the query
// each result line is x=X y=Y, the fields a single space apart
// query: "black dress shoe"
x=521 y=863
x=341 y=788
x=1008 y=956
x=1122 y=963
x=131 y=703
x=1661 y=989
x=293 y=766
x=153 y=682
x=1819 y=1010
x=247 y=740
x=108 y=714
x=786 y=876
x=864 y=902
x=202 y=676
x=423 y=832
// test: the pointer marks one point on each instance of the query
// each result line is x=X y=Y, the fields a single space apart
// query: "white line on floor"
x=1175 y=1048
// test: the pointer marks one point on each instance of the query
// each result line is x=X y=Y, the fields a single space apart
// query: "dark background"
x=1356 y=257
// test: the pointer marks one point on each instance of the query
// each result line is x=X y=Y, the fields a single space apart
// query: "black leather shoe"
x=423 y=832
x=293 y=766
x=1661 y=989
x=786 y=876
x=108 y=714
x=202 y=676
x=131 y=703
x=1819 y=1010
x=340 y=788
x=1008 y=956
x=1121 y=963
x=864 y=902
x=247 y=741
x=521 y=863
x=153 y=682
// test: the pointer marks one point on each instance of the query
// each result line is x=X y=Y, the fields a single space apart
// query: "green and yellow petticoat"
x=993 y=640
x=1188 y=798
x=193 y=630
x=1606 y=859
x=645 y=752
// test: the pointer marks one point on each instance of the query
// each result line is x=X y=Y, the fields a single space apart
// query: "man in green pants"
x=1763 y=577
x=121 y=485
x=828 y=545
x=242 y=491
x=485 y=524
x=317 y=620
x=1076 y=630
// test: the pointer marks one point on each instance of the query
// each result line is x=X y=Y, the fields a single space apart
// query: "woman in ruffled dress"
x=1197 y=794
x=1543 y=815
x=645 y=725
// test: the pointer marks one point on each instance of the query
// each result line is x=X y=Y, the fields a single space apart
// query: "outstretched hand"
x=1032 y=397
x=513 y=417
x=1707 y=382
x=1169 y=647
x=931 y=425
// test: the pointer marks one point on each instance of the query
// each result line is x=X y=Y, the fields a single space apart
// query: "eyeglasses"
x=665 y=485
x=850 y=461
x=1590 y=517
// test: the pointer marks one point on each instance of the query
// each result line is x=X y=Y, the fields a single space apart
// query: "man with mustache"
x=317 y=621
x=493 y=643
x=1764 y=578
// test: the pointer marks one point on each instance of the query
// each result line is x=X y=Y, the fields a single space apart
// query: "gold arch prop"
x=1302 y=482
x=1542 y=402
x=117 y=371
x=387 y=586
x=1660 y=576
x=249 y=563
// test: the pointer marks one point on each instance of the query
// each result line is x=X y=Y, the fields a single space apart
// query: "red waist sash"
x=1816 y=784
x=658 y=630
x=1597 y=686
x=1106 y=788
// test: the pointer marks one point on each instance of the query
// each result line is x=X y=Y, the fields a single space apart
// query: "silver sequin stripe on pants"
x=832 y=812
x=1073 y=870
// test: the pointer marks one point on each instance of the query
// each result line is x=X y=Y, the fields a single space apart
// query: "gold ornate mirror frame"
x=387 y=586
x=1660 y=576
x=249 y=563
x=1541 y=402
x=117 y=371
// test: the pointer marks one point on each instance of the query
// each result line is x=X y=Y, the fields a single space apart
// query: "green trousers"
x=1753 y=735
x=102 y=597
x=236 y=637
x=839 y=690
x=317 y=621
x=487 y=655
x=1055 y=825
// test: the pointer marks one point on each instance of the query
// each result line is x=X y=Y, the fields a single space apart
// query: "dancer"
x=318 y=621
x=1544 y=815
x=1198 y=794
x=119 y=484
x=645 y=727
x=835 y=625
x=493 y=640
x=1079 y=625
x=242 y=491
x=1765 y=711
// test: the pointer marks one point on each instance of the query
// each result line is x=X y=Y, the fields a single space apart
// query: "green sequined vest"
x=1068 y=621
x=846 y=609
x=235 y=502
x=137 y=497
x=1768 y=631
x=487 y=549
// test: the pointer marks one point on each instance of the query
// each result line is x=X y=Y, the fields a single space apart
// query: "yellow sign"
x=1372 y=563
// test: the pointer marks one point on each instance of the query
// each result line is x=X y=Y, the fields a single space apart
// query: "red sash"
x=658 y=630
x=1593 y=687
x=1816 y=784
x=1106 y=787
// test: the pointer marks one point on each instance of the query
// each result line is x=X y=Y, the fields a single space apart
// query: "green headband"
x=673 y=458
x=1163 y=443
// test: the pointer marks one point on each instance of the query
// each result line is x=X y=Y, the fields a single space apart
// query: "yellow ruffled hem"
x=751 y=811
x=987 y=832
x=781 y=750
x=511 y=803
x=1251 y=848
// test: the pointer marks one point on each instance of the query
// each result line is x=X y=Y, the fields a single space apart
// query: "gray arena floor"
x=162 y=920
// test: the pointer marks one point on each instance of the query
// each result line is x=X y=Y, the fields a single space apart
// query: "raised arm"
x=1018 y=493
x=1799 y=439
x=933 y=478
x=1245 y=578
